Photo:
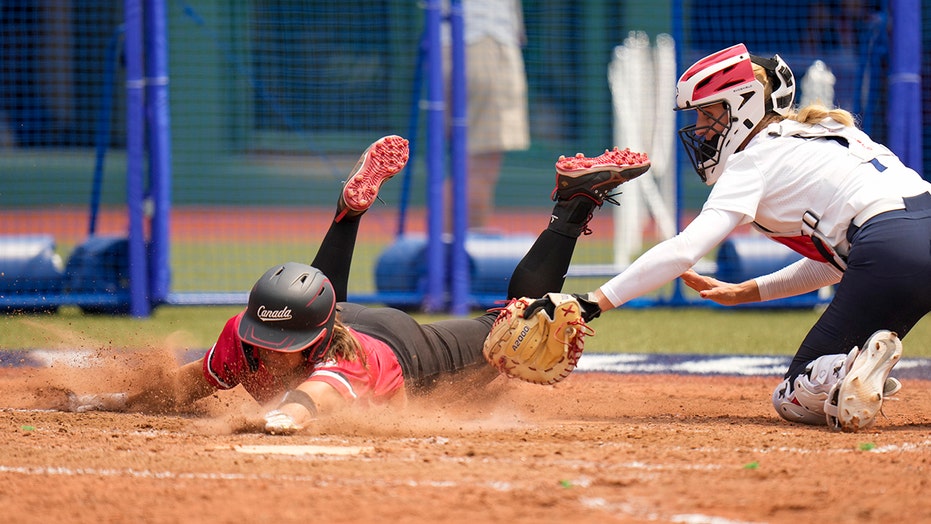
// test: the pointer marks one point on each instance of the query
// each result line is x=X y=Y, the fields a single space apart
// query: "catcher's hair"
x=759 y=72
x=817 y=113
x=344 y=345
x=811 y=114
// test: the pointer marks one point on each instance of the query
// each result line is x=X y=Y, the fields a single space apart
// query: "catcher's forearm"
x=603 y=303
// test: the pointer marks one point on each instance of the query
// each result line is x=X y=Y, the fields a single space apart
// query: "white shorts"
x=497 y=103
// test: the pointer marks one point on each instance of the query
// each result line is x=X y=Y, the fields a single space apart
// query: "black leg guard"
x=570 y=217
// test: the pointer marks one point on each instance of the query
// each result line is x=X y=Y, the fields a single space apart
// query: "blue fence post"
x=102 y=131
x=459 y=260
x=436 y=150
x=156 y=100
x=678 y=297
x=904 y=116
x=139 y=305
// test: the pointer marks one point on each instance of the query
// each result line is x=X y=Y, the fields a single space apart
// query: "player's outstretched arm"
x=174 y=390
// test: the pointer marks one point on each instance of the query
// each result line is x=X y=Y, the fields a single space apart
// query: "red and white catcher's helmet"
x=726 y=77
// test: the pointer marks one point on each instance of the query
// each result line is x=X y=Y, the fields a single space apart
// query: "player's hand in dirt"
x=280 y=423
x=723 y=293
x=96 y=402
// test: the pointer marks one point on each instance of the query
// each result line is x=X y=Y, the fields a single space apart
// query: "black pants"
x=427 y=352
x=887 y=284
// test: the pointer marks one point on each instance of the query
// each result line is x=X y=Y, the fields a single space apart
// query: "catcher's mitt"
x=542 y=349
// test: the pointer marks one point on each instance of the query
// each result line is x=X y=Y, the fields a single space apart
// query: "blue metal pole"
x=678 y=38
x=159 y=126
x=459 y=263
x=412 y=135
x=139 y=305
x=904 y=116
x=435 y=154
x=102 y=135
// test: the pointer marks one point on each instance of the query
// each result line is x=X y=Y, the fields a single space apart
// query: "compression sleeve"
x=795 y=279
x=670 y=258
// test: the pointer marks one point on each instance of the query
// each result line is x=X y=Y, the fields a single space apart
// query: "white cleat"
x=853 y=403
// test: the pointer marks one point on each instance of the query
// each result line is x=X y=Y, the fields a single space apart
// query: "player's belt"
x=883 y=205
x=919 y=204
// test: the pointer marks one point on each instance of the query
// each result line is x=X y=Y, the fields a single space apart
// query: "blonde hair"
x=810 y=114
x=343 y=345
x=817 y=113
x=759 y=72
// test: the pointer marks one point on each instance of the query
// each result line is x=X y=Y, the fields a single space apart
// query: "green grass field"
x=652 y=330
x=698 y=330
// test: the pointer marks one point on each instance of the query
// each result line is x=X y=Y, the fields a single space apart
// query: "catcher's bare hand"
x=723 y=293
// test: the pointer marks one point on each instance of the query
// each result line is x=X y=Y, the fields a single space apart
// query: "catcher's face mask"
x=703 y=140
x=726 y=78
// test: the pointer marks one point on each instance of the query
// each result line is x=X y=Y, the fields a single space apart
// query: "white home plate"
x=303 y=450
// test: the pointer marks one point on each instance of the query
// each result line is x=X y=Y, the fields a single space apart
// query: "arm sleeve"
x=670 y=258
x=795 y=279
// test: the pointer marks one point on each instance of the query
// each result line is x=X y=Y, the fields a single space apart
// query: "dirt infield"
x=595 y=448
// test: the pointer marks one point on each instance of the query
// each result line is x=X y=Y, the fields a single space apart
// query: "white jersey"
x=793 y=181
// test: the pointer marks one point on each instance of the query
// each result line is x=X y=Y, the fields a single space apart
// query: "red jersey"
x=373 y=379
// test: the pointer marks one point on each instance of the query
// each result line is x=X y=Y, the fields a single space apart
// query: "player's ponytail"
x=816 y=113
x=344 y=345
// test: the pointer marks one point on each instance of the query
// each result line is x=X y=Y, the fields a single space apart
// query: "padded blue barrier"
x=742 y=257
x=401 y=269
x=29 y=267
x=97 y=275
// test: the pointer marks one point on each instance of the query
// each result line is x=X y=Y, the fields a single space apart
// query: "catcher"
x=809 y=179
x=303 y=351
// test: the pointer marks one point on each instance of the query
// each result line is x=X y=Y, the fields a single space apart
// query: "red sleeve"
x=372 y=381
x=225 y=363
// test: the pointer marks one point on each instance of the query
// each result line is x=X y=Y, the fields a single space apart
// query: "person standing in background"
x=497 y=96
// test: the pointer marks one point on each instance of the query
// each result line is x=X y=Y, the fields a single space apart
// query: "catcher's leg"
x=807 y=398
x=802 y=399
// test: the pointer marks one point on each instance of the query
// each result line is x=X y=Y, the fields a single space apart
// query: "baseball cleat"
x=891 y=387
x=595 y=178
x=385 y=158
x=853 y=403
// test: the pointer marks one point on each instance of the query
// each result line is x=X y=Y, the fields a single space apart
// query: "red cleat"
x=385 y=158
x=595 y=178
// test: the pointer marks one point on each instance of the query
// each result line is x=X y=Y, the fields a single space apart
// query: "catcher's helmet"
x=292 y=307
x=727 y=78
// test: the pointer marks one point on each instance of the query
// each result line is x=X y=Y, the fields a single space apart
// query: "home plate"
x=303 y=450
